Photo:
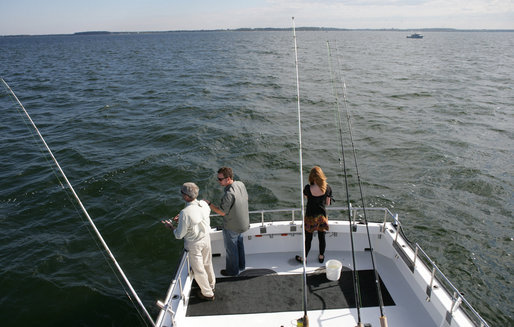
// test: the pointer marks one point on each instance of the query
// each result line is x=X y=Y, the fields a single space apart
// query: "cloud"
x=398 y=13
x=58 y=16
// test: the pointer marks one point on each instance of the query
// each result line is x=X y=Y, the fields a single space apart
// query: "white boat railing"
x=437 y=275
x=457 y=297
x=353 y=210
x=176 y=291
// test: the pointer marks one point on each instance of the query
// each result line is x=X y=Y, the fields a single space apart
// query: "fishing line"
x=348 y=118
x=66 y=191
x=383 y=318
x=92 y=224
x=45 y=154
x=342 y=161
x=304 y=274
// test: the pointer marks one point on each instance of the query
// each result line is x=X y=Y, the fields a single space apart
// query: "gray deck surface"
x=263 y=292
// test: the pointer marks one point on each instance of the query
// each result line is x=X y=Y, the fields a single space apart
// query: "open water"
x=132 y=117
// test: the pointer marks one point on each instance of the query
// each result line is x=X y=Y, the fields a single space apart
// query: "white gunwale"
x=423 y=295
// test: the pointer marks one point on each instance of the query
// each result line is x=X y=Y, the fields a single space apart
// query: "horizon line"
x=246 y=29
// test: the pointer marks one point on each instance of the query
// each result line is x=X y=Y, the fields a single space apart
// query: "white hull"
x=273 y=244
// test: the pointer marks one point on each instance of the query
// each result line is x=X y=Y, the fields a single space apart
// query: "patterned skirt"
x=318 y=223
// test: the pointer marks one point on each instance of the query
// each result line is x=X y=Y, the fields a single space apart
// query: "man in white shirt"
x=194 y=227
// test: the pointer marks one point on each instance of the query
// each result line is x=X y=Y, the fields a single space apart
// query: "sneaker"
x=224 y=272
x=205 y=298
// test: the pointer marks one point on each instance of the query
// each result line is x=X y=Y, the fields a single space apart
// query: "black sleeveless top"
x=316 y=204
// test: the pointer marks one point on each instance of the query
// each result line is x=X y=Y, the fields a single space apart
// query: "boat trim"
x=437 y=279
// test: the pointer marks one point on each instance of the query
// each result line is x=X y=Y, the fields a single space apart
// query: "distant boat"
x=348 y=290
x=415 y=36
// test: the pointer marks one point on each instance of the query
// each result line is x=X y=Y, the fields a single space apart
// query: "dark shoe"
x=224 y=272
x=299 y=259
x=205 y=298
x=321 y=258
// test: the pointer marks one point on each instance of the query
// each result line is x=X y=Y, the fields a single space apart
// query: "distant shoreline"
x=271 y=29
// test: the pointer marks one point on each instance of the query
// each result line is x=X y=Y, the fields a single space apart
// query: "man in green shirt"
x=236 y=220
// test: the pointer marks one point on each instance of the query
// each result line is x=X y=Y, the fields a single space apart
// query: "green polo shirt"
x=235 y=206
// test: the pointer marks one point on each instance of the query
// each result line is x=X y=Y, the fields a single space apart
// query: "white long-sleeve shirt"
x=193 y=221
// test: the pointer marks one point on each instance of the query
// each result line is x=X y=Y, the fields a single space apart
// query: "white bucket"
x=334 y=269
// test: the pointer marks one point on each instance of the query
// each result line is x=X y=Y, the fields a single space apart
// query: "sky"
x=36 y=17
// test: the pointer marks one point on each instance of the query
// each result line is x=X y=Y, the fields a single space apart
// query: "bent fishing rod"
x=106 y=247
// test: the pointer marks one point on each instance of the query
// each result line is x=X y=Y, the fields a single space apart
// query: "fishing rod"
x=383 y=318
x=106 y=247
x=304 y=275
x=355 y=275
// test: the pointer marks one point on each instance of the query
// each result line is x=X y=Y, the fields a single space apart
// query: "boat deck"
x=263 y=297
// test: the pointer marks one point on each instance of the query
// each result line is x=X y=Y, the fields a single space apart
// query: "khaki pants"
x=200 y=259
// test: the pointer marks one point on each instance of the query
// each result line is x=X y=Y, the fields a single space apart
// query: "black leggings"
x=308 y=241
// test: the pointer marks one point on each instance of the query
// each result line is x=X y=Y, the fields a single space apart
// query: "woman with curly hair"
x=319 y=195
